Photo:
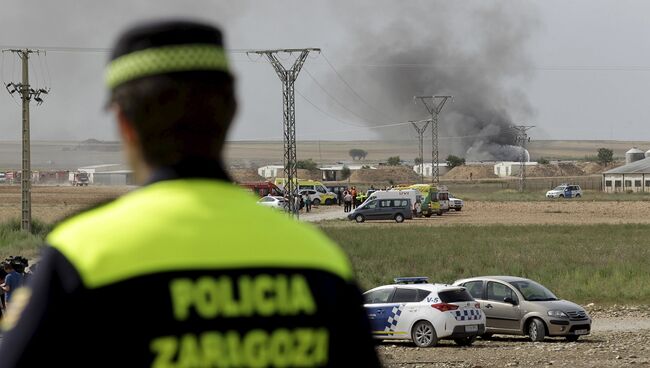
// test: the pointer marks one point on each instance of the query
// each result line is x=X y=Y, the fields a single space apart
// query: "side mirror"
x=509 y=301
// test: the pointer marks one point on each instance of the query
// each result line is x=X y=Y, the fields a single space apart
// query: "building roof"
x=636 y=167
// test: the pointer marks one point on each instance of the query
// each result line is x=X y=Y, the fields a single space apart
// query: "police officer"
x=182 y=272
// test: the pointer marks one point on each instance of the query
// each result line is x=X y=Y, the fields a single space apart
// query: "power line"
x=332 y=97
x=325 y=112
x=349 y=86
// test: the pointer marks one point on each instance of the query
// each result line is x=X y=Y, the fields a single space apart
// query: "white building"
x=633 y=177
x=510 y=168
x=109 y=174
x=271 y=171
x=443 y=168
x=333 y=172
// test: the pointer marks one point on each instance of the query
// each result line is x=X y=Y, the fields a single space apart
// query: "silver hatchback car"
x=519 y=306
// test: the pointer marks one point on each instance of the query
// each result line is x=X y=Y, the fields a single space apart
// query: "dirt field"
x=619 y=337
x=52 y=203
x=543 y=212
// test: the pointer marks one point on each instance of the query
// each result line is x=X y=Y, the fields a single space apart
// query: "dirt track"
x=543 y=212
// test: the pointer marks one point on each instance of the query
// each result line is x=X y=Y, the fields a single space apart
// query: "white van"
x=412 y=194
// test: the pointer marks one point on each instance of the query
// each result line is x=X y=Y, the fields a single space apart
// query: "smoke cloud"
x=474 y=51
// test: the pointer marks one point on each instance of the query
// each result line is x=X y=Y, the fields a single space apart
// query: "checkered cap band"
x=166 y=59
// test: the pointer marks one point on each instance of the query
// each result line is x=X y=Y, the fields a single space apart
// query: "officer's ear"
x=127 y=131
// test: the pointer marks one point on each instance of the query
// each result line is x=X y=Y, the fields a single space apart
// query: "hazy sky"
x=587 y=62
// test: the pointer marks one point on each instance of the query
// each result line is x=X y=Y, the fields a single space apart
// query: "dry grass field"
x=262 y=152
x=52 y=203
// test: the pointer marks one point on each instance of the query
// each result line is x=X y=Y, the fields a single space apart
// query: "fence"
x=593 y=182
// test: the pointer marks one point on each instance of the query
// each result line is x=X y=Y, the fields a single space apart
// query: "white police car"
x=565 y=191
x=413 y=309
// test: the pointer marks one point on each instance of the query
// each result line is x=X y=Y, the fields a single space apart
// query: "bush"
x=358 y=154
x=308 y=164
x=605 y=156
x=453 y=161
x=394 y=161
x=543 y=161
x=345 y=172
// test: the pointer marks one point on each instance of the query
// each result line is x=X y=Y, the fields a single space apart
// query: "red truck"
x=263 y=188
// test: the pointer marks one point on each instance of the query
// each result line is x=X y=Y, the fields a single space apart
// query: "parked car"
x=565 y=191
x=455 y=203
x=519 y=306
x=396 y=209
x=313 y=195
x=413 y=309
x=274 y=202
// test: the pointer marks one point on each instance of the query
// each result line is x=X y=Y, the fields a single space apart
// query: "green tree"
x=418 y=160
x=358 y=154
x=605 y=156
x=394 y=161
x=345 y=172
x=308 y=164
x=453 y=161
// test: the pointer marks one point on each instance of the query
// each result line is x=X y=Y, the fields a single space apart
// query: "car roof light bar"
x=412 y=280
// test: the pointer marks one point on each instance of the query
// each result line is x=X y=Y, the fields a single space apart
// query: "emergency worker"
x=182 y=272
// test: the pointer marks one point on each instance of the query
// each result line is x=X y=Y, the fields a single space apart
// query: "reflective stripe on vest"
x=189 y=224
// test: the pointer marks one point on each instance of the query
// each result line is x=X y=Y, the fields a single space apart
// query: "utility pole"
x=26 y=94
x=420 y=131
x=522 y=138
x=288 y=78
x=434 y=105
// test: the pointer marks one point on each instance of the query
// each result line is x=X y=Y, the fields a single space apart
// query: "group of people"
x=349 y=199
x=13 y=272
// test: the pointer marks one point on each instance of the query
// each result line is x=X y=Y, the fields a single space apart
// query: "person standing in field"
x=197 y=285
x=353 y=192
x=13 y=280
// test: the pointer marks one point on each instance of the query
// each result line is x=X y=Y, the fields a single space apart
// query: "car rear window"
x=453 y=296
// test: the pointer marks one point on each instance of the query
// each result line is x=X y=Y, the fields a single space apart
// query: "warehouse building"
x=443 y=168
x=510 y=168
x=632 y=177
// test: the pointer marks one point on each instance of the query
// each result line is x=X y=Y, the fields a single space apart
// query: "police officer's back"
x=186 y=271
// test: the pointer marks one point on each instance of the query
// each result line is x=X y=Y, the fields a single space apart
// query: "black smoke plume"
x=475 y=51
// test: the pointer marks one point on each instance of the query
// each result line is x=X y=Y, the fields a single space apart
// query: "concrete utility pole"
x=26 y=94
x=434 y=105
x=288 y=78
x=420 y=131
x=522 y=139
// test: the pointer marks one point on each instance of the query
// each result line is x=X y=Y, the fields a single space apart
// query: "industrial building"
x=510 y=168
x=333 y=172
x=443 y=168
x=271 y=171
x=109 y=174
x=634 y=176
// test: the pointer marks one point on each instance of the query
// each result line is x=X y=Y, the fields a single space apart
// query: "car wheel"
x=536 y=330
x=439 y=213
x=359 y=218
x=328 y=201
x=458 y=209
x=424 y=335
x=577 y=195
x=399 y=218
x=316 y=202
x=561 y=195
x=465 y=341
x=427 y=214
x=487 y=336
x=572 y=338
